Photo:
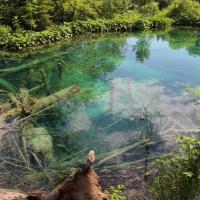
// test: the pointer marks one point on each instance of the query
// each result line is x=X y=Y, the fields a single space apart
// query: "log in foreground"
x=84 y=186
x=11 y=195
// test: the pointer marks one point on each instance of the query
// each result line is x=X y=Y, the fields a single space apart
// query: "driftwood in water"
x=121 y=151
x=84 y=186
x=25 y=103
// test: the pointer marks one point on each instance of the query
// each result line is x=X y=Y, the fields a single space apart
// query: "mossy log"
x=25 y=103
x=54 y=98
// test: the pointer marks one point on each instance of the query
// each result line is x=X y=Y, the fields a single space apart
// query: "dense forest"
x=38 y=22
x=40 y=14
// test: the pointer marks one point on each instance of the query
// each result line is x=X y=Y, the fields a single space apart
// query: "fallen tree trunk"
x=54 y=98
x=32 y=106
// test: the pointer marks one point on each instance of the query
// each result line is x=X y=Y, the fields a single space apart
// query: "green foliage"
x=128 y=16
x=4 y=30
x=159 y=22
x=116 y=193
x=178 y=177
x=185 y=12
x=87 y=16
x=38 y=15
x=39 y=141
x=109 y=8
x=164 y=3
x=79 y=10
x=26 y=39
x=30 y=14
x=150 y=9
x=142 y=2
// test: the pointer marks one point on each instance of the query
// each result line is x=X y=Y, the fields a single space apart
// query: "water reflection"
x=142 y=49
x=126 y=81
x=132 y=88
x=117 y=111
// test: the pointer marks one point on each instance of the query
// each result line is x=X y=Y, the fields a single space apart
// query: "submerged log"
x=54 y=98
x=121 y=151
x=24 y=103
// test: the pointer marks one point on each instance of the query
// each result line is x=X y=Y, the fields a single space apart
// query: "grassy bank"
x=22 y=40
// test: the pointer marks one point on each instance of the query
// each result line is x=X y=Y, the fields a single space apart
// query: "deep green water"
x=132 y=87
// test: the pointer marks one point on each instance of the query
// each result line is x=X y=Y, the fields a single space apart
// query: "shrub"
x=150 y=9
x=109 y=8
x=142 y=24
x=116 y=193
x=26 y=39
x=160 y=22
x=128 y=16
x=78 y=10
x=185 y=12
x=4 y=30
x=178 y=177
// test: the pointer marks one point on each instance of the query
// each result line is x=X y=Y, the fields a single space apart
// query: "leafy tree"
x=150 y=9
x=164 y=3
x=111 y=7
x=78 y=10
x=142 y=2
x=42 y=15
x=29 y=14
x=185 y=12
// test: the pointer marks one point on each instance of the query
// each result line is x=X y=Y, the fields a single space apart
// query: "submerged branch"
x=123 y=150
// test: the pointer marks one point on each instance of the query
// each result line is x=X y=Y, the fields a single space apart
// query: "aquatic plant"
x=4 y=30
x=116 y=192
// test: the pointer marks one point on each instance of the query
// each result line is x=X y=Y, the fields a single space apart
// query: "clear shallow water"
x=132 y=87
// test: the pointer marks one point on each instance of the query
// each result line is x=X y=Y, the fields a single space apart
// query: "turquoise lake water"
x=132 y=88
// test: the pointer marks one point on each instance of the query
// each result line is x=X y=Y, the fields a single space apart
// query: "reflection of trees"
x=95 y=59
x=77 y=62
x=83 y=63
x=183 y=38
x=142 y=49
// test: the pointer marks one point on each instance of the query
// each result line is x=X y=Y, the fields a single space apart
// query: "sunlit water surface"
x=132 y=88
